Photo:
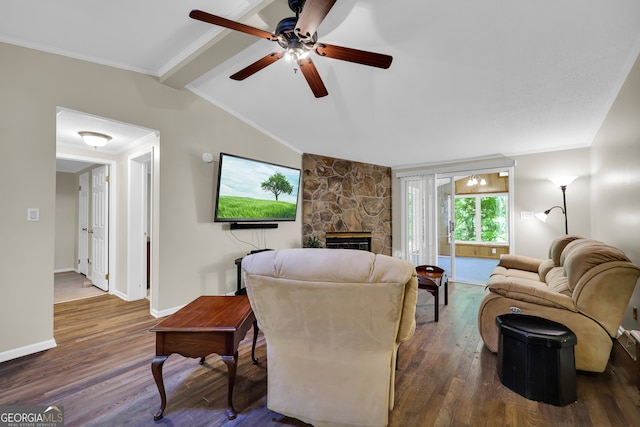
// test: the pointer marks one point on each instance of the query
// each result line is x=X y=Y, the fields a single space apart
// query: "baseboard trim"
x=154 y=313
x=167 y=312
x=27 y=350
x=64 y=270
x=120 y=295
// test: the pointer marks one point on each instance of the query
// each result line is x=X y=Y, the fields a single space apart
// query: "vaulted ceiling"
x=469 y=79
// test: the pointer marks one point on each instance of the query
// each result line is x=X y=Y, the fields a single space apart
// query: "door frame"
x=452 y=175
x=139 y=165
x=449 y=212
x=83 y=220
x=446 y=171
x=112 y=237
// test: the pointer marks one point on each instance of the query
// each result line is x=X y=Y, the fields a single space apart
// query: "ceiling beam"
x=265 y=16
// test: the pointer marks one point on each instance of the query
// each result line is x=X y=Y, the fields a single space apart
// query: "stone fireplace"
x=341 y=196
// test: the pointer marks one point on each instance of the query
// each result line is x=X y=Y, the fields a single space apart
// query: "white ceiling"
x=470 y=79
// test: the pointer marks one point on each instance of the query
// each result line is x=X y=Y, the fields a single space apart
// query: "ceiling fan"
x=297 y=36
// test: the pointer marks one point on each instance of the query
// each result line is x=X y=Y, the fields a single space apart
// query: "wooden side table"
x=430 y=278
x=210 y=324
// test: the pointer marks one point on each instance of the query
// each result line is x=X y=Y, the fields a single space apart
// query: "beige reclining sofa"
x=585 y=285
x=332 y=320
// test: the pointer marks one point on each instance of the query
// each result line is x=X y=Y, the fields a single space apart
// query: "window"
x=481 y=218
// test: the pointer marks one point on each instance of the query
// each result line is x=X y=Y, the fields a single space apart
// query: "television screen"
x=252 y=190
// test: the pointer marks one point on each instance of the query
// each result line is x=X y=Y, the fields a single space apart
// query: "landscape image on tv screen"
x=253 y=190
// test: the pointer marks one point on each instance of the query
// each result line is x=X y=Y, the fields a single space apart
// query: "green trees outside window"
x=465 y=210
x=481 y=218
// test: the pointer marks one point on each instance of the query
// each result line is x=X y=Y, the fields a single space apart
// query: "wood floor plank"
x=101 y=373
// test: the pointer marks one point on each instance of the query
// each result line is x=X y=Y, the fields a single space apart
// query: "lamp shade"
x=542 y=216
x=563 y=181
x=94 y=139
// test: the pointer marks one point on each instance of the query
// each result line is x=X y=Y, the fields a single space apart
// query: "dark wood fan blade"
x=257 y=66
x=232 y=25
x=354 y=55
x=313 y=12
x=310 y=73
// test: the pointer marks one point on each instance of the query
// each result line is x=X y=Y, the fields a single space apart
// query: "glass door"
x=479 y=223
x=446 y=243
x=459 y=219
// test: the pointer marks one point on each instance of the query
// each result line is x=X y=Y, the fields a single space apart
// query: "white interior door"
x=83 y=224
x=99 y=230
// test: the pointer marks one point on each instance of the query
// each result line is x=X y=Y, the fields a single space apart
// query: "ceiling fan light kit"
x=297 y=37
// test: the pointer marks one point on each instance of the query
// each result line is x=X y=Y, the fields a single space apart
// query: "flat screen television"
x=251 y=190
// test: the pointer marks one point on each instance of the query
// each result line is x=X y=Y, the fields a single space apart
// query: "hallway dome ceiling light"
x=94 y=139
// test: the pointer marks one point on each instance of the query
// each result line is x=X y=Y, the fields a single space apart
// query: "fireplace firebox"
x=349 y=240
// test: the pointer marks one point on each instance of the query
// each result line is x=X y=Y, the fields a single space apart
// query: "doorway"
x=107 y=163
x=140 y=224
x=95 y=237
x=474 y=222
x=83 y=224
x=432 y=220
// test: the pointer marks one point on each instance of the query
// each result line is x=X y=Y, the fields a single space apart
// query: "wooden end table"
x=430 y=278
x=210 y=324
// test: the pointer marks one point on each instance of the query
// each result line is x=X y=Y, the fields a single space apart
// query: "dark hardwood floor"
x=100 y=372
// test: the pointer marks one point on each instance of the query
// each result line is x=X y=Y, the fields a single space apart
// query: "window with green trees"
x=481 y=218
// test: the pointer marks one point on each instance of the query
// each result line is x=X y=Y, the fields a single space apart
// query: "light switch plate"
x=526 y=215
x=33 y=214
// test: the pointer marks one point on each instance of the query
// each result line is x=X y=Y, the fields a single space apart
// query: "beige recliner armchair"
x=585 y=285
x=333 y=320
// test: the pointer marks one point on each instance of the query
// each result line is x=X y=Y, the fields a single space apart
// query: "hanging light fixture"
x=473 y=180
x=94 y=139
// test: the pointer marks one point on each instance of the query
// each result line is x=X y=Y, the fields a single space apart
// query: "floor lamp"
x=562 y=182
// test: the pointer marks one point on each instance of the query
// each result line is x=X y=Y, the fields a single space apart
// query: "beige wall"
x=66 y=220
x=195 y=256
x=615 y=191
x=535 y=193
